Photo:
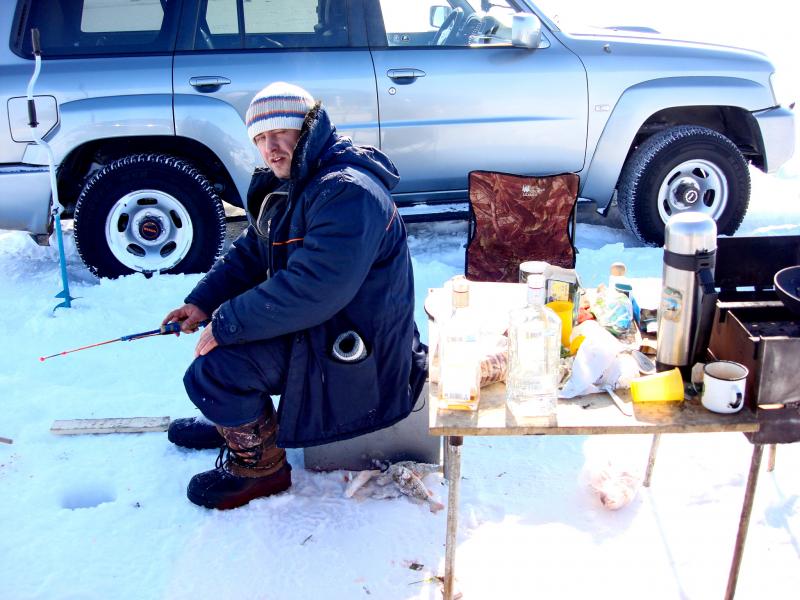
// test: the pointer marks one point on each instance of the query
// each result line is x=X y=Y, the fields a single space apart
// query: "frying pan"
x=787 y=286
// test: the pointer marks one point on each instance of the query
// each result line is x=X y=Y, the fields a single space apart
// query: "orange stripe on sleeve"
x=394 y=214
x=291 y=241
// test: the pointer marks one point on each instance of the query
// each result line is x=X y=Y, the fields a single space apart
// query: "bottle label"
x=558 y=290
x=459 y=373
x=531 y=347
x=671 y=307
x=455 y=388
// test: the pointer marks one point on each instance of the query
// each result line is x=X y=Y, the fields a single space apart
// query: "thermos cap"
x=690 y=233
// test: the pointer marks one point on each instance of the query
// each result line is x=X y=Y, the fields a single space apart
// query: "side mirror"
x=526 y=30
x=438 y=14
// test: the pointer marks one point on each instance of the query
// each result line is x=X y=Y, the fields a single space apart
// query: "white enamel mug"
x=723 y=386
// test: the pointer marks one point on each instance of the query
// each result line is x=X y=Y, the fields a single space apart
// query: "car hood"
x=638 y=33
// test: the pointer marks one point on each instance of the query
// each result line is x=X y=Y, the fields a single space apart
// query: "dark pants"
x=232 y=385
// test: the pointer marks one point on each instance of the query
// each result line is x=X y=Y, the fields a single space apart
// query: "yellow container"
x=667 y=385
x=564 y=311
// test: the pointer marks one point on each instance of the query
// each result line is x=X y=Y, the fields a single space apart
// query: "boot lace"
x=245 y=458
x=220 y=460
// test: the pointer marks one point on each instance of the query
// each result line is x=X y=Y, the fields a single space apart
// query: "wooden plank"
x=5 y=440
x=115 y=425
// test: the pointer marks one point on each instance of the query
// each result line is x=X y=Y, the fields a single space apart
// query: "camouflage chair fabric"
x=514 y=218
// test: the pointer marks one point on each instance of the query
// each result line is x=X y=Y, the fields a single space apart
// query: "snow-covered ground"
x=98 y=517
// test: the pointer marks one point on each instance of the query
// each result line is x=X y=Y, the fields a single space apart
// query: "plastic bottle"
x=534 y=352
x=617 y=274
x=459 y=369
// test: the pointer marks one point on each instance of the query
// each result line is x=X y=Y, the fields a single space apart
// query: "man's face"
x=276 y=148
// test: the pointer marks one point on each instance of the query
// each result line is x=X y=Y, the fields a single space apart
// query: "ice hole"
x=87 y=496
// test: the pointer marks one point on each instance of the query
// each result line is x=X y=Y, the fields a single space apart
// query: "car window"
x=271 y=24
x=414 y=23
x=90 y=27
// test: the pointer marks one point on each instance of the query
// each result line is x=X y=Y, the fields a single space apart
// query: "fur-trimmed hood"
x=321 y=147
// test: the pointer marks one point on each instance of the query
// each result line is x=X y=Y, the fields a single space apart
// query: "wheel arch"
x=83 y=161
x=723 y=104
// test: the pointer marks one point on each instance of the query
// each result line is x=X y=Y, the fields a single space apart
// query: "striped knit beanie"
x=280 y=105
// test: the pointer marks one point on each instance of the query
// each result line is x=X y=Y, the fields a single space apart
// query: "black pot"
x=787 y=286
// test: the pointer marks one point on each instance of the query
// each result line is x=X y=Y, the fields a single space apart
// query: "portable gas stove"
x=753 y=326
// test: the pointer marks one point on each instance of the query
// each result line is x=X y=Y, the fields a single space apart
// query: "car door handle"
x=202 y=82
x=405 y=73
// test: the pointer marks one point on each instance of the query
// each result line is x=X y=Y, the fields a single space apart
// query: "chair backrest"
x=514 y=219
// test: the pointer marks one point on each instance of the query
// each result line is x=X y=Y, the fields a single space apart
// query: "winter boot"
x=253 y=468
x=196 y=433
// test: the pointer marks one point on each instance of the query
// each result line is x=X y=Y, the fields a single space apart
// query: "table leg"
x=453 y=462
x=446 y=457
x=744 y=520
x=651 y=460
x=773 y=450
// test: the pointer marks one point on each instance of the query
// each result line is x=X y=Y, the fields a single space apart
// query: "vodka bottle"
x=534 y=352
x=459 y=370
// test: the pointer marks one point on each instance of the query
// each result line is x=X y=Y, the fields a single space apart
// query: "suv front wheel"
x=681 y=169
x=148 y=213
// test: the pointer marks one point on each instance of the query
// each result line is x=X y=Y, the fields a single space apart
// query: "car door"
x=228 y=50
x=468 y=99
x=106 y=72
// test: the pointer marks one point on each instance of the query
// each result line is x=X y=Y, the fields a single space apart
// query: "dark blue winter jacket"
x=325 y=253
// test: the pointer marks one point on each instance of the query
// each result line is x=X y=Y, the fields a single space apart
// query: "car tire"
x=148 y=213
x=685 y=168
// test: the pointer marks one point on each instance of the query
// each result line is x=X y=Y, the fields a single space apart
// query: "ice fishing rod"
x=174 y=327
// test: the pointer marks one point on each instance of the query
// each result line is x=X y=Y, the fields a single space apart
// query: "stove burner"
x=774 y=328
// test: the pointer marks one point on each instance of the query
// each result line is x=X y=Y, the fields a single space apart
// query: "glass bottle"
x=459 y=367
x=534 y=352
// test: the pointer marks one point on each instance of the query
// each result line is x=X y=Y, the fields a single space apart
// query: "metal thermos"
x=688 y=295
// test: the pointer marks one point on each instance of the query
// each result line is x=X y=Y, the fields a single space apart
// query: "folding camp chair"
x=513 y=219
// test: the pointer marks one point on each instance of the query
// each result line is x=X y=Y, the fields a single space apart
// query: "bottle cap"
x=531 y=266
x=618 y=269
x=536 y=280
x=459 y=283
x=460 y=287
x=623 y=288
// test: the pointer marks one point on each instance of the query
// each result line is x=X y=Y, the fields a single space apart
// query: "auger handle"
x=35 y=42
x=37 y=52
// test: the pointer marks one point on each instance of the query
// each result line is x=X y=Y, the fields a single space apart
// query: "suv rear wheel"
x=149 y=213
x=685 y=168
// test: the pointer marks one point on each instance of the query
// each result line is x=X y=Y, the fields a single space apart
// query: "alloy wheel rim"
x=693 y=186
x=149 y=231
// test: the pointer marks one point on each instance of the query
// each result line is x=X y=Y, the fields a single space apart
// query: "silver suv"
x=142 y=102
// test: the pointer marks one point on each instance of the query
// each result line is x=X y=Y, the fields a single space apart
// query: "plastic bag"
x=494 y=359
x=613 y=310
x=596 y=355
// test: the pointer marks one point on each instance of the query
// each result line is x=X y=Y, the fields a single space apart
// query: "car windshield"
x=589 y=16
x=577 y=15
x=496 y=8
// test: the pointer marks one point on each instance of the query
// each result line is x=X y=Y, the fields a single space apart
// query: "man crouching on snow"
x=324 y=254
